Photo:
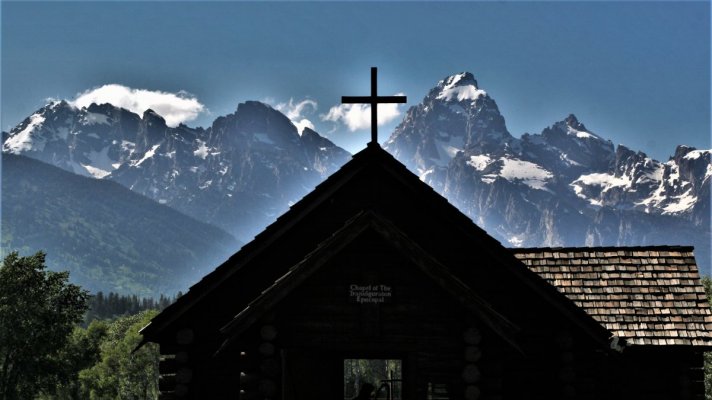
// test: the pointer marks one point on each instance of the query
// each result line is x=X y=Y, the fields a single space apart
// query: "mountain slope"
x=110 y=238
x=239 y=174
x=566 y=186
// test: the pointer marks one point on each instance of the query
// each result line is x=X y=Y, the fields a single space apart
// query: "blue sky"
x=637 y=73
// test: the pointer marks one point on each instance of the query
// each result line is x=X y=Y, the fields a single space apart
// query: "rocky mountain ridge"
x=238 y=174
x=566 y=186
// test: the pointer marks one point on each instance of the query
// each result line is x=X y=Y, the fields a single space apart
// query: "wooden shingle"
x=646 y=295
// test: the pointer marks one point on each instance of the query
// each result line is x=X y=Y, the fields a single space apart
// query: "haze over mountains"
x=566 y=186
x=110 y=238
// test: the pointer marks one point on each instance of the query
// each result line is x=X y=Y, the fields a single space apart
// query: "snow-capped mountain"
x=566 y=186
x=238 y=174
x=455 y=115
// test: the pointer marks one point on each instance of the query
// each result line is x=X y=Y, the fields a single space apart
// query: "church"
x=375 y=281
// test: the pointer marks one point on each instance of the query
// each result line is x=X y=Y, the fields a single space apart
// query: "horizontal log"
x=250 y=395
x=267 y=388
x=167 y=382
x=167 y=396
x=270 y=367
x=181 y=391
x=182 y=357
x=472 y=354
x=472 y=392
x=248 y=380
x=697 y=374
x=471 y=374
x=266 y=349
x=268 y=333
x=472 y=336
x=167 y=365
x=184 y=375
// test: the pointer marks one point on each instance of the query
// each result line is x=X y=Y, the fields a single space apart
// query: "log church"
x=374 y=282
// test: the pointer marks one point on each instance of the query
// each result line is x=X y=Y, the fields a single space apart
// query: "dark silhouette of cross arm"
x=374 y=99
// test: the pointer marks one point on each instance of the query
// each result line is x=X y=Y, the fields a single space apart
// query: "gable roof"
x=356 y=226
x=238 y=266
x=645 y=295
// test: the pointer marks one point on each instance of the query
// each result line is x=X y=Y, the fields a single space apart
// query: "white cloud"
x=296 y=112
x=358 y=116
x=303 y=123
x=176 y=108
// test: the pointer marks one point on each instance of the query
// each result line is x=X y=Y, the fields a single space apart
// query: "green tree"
x=82 y=352
x=121 y=372
x=707 y=283
x=38 y=313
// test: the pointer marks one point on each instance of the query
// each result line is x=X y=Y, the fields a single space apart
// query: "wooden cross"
x=374 y=99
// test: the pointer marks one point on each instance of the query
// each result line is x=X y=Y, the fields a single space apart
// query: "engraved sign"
x=370 y=294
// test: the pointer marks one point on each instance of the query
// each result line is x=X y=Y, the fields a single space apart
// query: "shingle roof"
x=646 y=295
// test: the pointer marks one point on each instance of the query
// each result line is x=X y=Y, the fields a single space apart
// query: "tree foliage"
x=114 y=305
x=707 y=283
x=39 y=310
x=120 y=372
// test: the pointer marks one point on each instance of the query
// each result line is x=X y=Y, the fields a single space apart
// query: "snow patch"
x=529 y=173
x=128 y=146
x=681 y=203
x=479 y=162
x=91 y=118
x=95 y=172
x=674 y=173
x=695 y=154
x=23 y=140
x=489 y=178
x=604 y=180
x=468 y=92
x=100 y=165
x=565 y=158
x=150 y=153
x=656 y=174
x=202 y=151
x=580 y=134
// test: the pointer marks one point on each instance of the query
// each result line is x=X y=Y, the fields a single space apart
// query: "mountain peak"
x=149 y=114
x=573 y=123
x=571 y=120
x=460 y=79
x=682 y=150
x=572 y=127
x=459 y=87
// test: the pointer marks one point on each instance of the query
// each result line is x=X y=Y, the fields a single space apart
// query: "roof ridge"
x=602 y=248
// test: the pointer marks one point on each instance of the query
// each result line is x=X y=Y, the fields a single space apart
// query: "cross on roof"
x=374 y=99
